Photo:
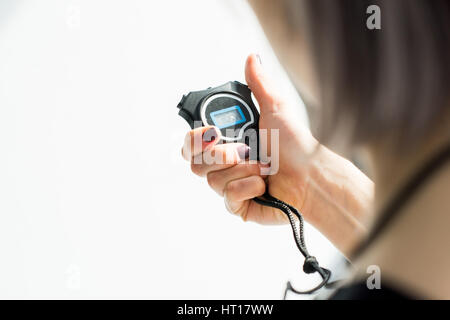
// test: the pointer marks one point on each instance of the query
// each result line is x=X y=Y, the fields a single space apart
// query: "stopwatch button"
x=180 y=104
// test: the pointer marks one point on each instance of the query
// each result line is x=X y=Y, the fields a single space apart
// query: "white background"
x=95 y=200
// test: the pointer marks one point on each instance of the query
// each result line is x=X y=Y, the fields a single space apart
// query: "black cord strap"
x=310 y=265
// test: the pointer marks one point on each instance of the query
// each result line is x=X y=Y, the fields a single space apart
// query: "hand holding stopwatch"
x=230 y=108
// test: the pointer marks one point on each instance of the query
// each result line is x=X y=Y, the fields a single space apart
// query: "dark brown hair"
x=393 y=82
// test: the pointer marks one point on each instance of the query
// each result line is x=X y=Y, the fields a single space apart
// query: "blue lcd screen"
x=227 y=117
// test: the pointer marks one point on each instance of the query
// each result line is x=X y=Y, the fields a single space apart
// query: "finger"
x=219 y=157
x=261 y=86
x=238 y=191
x=198 y=140
x=217 y=180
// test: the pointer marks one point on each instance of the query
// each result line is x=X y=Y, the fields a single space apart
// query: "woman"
x=380 y=92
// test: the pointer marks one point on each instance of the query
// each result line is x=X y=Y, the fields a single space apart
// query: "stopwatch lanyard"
x=310 y=265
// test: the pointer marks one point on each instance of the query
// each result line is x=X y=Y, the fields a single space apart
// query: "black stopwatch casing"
x=229 y=107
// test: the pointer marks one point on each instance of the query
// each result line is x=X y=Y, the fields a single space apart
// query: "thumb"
x=261 y=85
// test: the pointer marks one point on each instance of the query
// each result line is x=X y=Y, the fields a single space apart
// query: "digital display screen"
x=227 y=117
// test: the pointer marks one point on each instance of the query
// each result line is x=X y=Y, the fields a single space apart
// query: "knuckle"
x=277 y=103
x=233 y=188
x=187 y=138
x=197 y=169
x=186 y=151
x=260 y=187
x=212 y=178
x=254 y=169
x=184 y=155
x=248 y=170
x=228 y=206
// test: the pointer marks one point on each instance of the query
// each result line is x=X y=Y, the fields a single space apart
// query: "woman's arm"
x=338 y=200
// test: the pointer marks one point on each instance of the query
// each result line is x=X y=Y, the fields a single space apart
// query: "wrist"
x=337 y=199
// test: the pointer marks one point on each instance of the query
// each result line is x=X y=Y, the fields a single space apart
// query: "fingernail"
x=243 y=151
x=259 y=59
x=210 y=135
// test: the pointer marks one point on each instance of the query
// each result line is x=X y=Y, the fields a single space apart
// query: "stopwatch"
x=230 y=108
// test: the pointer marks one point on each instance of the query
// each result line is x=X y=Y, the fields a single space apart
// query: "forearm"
x=338 y=199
